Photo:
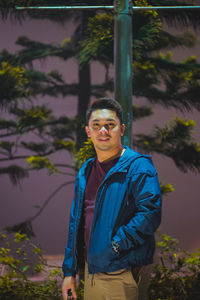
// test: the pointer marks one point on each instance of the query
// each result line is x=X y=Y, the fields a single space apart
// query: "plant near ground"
x=177 y=275
x=20 y=259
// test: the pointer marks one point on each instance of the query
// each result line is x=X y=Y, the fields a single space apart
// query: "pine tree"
x=155 y=76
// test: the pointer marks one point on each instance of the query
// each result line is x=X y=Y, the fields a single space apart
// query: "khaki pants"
x=118 y=285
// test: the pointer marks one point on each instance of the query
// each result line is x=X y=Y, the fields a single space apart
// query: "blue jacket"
x=127 y=210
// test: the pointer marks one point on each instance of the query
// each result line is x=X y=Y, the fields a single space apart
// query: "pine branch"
x=26 y=156
x=38 y=50
x=7 y=124
x=167 y=82
x=15 y=173
x=165 y=40
x=178 y=18
x=24 y=227
x=7 y=9
x=141 y=112
x=175 y=141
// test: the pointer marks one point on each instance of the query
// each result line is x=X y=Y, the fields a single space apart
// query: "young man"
x=115 y=212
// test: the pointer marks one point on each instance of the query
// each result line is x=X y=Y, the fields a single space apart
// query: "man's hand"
x=68 y=284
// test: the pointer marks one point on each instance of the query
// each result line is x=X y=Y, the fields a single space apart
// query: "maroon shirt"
x=97 y=174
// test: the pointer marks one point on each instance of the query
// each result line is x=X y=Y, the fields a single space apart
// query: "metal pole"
x=164 y=7
x=88 y=7
x=122 y=63
x=76 y=7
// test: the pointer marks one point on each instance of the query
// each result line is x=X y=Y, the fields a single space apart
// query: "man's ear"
x=87 y=130
x=122 y=129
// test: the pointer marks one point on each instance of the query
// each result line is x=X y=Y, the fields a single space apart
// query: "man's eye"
x=111 y=125
x=95 y=125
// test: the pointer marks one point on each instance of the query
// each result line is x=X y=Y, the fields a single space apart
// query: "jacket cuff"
x=68 y=274
x=124 y=244
x=115 y=247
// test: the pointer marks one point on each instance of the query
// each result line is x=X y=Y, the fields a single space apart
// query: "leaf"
x=67 y=145
x=13 y=82
x=85 y=153
x=167 y=188
x=36 y=147
x=41 y=162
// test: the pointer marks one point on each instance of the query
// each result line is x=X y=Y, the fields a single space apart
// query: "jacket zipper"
x=95 y=212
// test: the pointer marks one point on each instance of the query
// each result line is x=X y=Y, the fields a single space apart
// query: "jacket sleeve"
x=145 y=195
x=69 y=265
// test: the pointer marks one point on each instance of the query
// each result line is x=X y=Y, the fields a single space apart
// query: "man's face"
x=105 y=130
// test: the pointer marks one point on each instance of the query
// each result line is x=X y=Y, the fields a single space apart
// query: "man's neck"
x=104 y=156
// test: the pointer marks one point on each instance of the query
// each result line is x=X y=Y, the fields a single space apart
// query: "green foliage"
x=19 y=255
x=175 y=140
x=98 y=39
x=25 y=120
x=80 y=288
x=85 y=153
x=41 y=163
x=146 y=31
x=20 y=258
x=6 y=124
x=33 y=116
x=56 y=75
x=36 y=147
x=155 y=77
x=29 y=290
x=24 y=227
x=97 y=43
x=7 y=146
x=167 y=82
x=177 y=275
x=174 y=277
x=182 y=77
x=13 y=82
x=167 y=188
x=67 y=145
x=140 y=112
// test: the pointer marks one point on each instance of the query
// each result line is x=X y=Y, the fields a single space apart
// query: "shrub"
x=177 y=275
x=20 y=258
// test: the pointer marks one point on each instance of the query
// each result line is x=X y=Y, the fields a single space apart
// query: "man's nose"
x=103 y=129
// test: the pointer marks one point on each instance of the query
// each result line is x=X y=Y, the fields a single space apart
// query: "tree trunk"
x=83 y=103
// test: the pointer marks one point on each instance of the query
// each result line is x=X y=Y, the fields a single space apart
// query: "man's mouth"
x=103 y=139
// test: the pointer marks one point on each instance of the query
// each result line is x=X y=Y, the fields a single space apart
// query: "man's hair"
x=105 y=103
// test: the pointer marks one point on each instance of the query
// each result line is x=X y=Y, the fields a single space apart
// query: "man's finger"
x=65 y=294
x=74 y=295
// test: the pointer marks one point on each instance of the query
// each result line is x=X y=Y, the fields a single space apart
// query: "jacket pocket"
x=105 y=258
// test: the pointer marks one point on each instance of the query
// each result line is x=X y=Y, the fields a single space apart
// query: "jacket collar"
x=122 y=165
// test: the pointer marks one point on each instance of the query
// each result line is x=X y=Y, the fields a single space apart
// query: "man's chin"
x=103 y=147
